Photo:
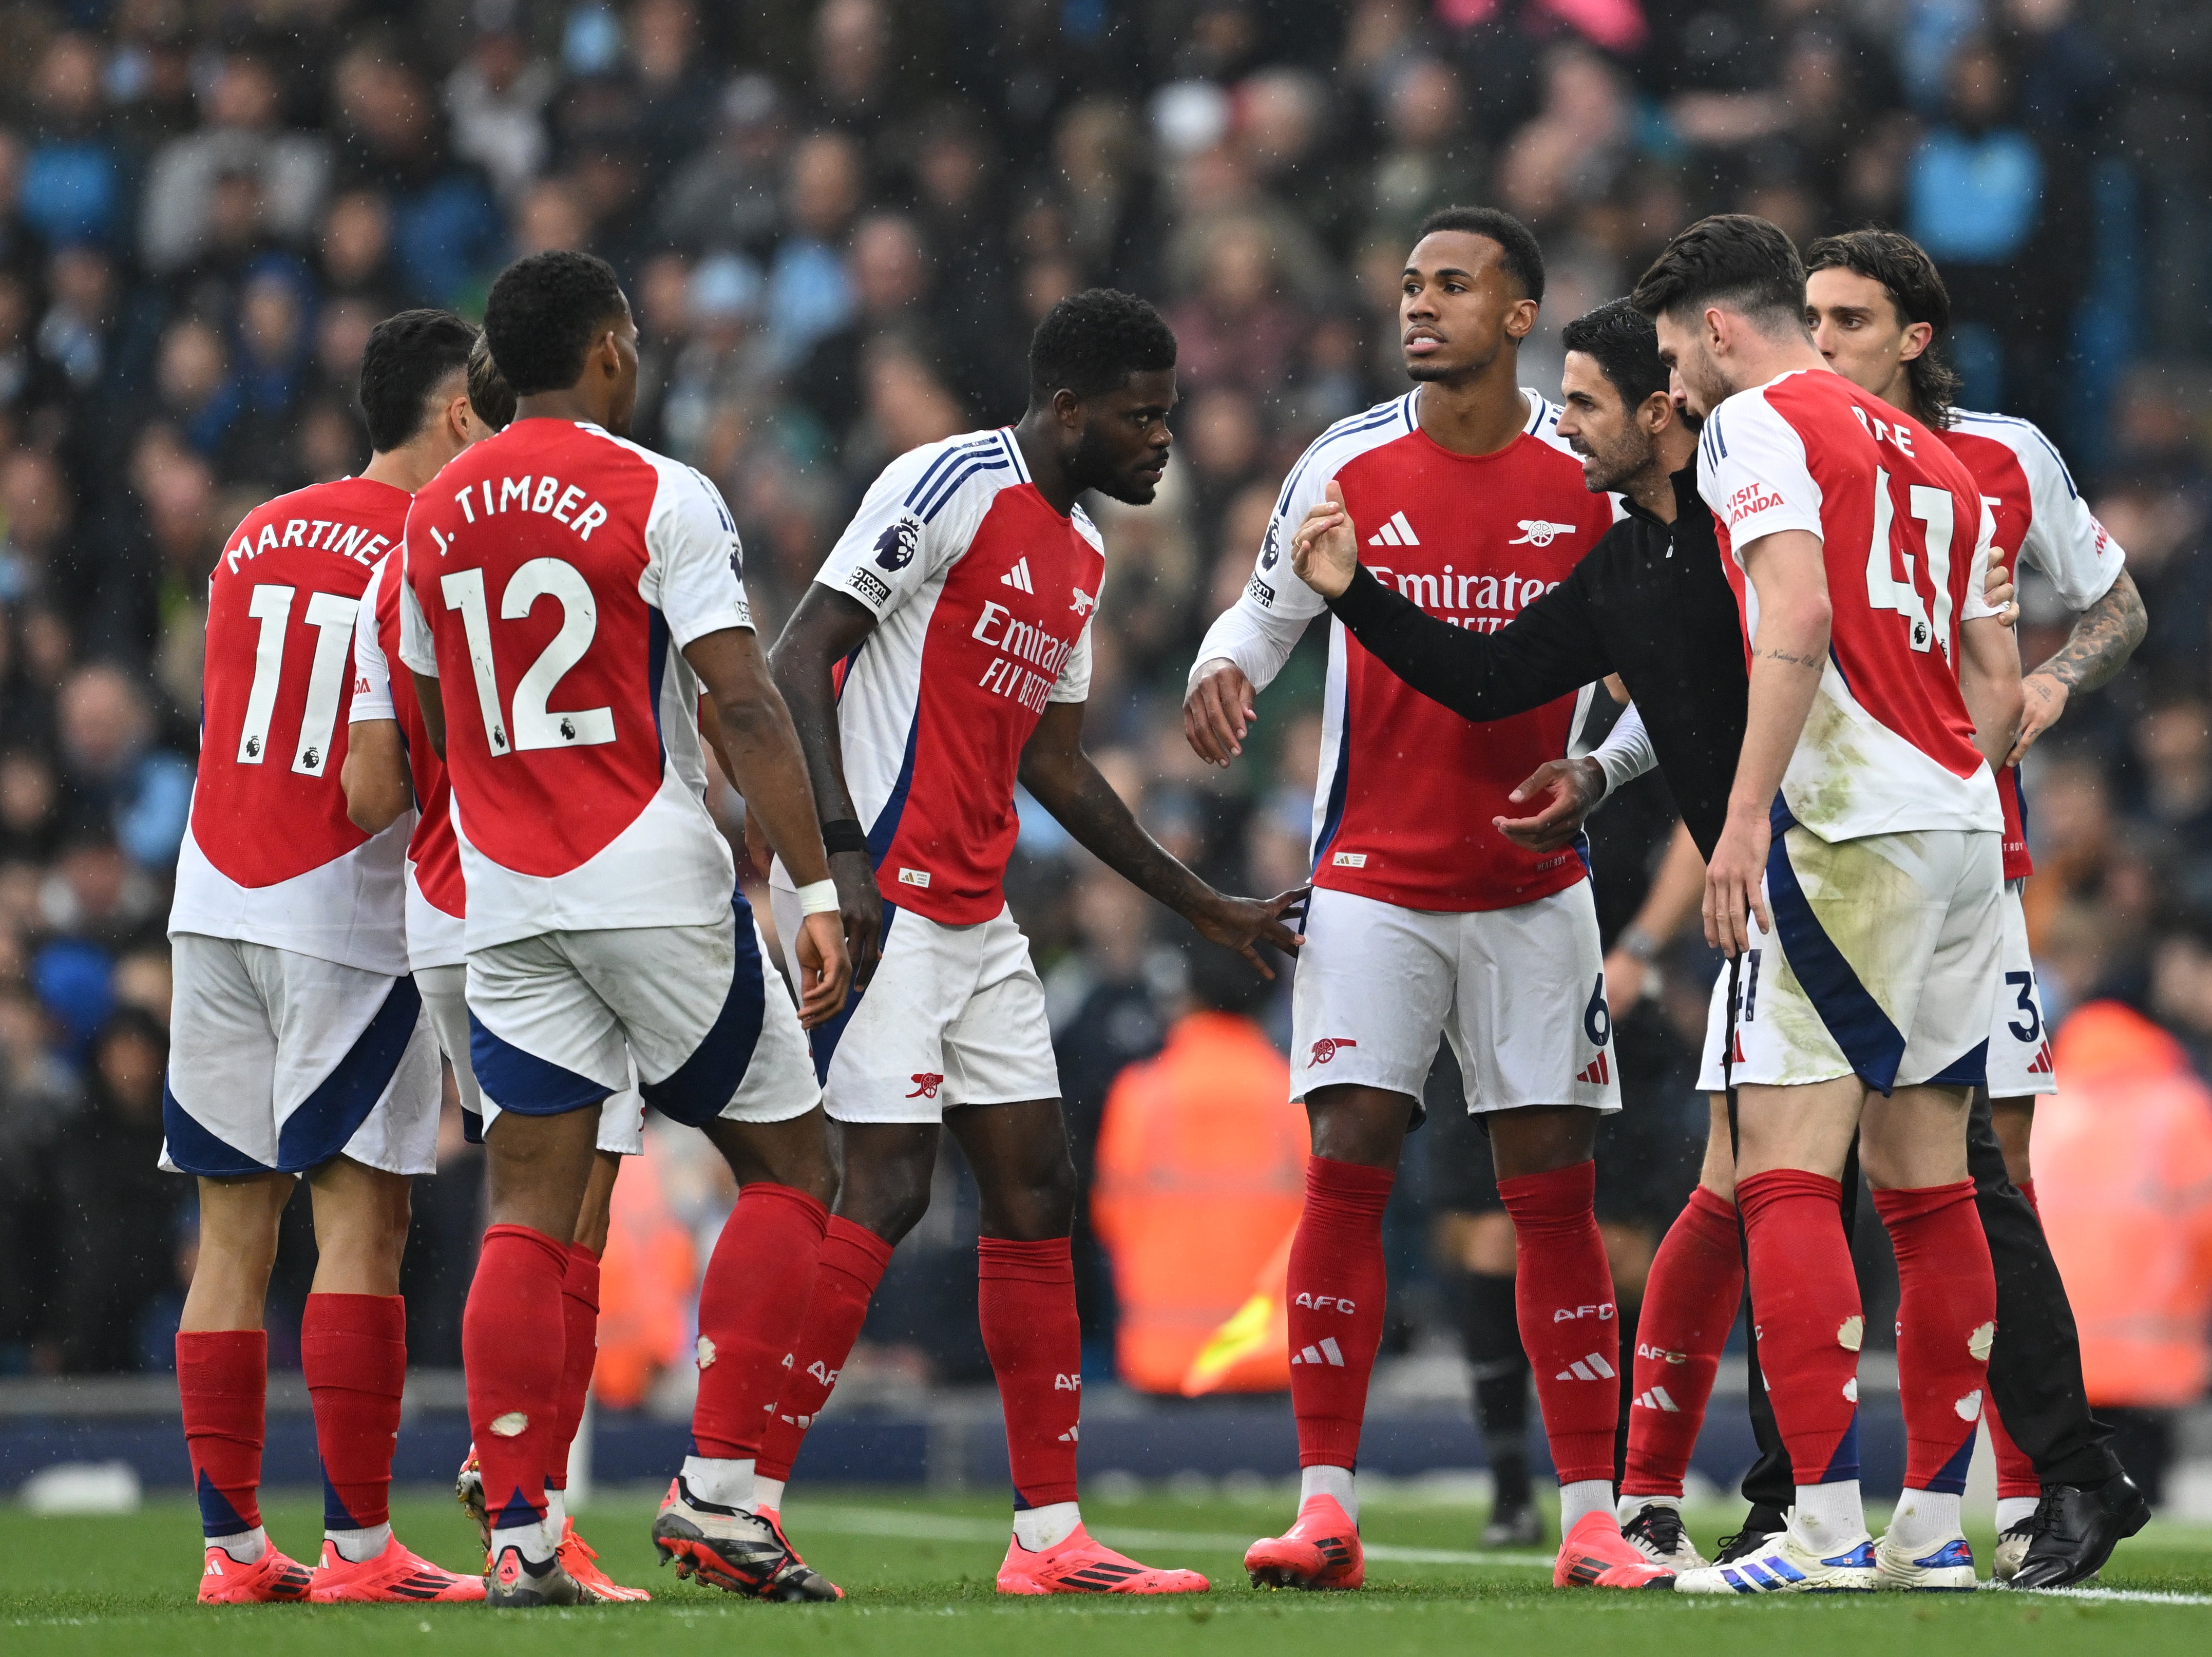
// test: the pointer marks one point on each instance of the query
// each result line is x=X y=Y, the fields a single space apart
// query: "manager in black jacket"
x=1651 y=604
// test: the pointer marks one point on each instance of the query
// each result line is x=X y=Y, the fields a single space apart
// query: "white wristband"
x=819 y=899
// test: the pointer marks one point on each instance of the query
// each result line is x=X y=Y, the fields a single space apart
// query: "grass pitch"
x=919 y=1571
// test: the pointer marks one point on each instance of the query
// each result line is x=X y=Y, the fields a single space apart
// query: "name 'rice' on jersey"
x=2043 y=521
x=270 y=856
x=554 y=574
x=1407 y=789
x=984 y=597
x=1888 y=746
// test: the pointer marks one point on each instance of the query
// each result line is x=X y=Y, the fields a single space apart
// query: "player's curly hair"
x=406 y=356
x=1734 y=259
x=490 y=394
x=542 y=315
x=1090 y=342
x=1916 y=289
x=1625 y=345
x=1523 y=258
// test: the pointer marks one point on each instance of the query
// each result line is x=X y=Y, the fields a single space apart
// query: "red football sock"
x=1562 y=1295
x=353 y=1352
x=751 y=1308
x=1690 y=1301
x=1805 y=1302
x=513 y=1347
x=1337 y=1286
x=1947 y=1316
x=222 y=1379
x=579 y=1351
x=853 y=1262
x=1025 y=1298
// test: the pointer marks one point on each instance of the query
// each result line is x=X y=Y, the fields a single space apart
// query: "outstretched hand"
x=1243 y=923
x=1325 y=551
x=1576 y=787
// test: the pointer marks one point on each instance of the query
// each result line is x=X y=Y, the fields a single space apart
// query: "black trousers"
x=2035 y=1366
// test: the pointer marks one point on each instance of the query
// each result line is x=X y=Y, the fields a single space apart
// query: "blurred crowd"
x=838 y=222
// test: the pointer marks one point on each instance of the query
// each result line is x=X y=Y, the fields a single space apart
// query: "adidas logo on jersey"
x=2041 y=1067
x=1396 y=533
x=1656 y=1399
x=1073 y=1435
x=1537 y=532
x=1325 y=1351
x=1597 y=1070
x=1589 y=1367
x=1018 y=577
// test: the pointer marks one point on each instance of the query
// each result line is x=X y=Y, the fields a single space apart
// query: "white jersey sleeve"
x=916 y=518
x=1627 y=752
x=1073 y=684
x=1757 y=482
x=2064 y=540
x=372 y=673
x=419 y=649
x=1977 y=604
x=693 y=559
x=1260 y=630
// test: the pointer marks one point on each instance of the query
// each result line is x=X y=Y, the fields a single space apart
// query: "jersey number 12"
x=532 y=725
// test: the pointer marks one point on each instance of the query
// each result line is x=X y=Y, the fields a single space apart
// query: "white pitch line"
x=2118 y=1596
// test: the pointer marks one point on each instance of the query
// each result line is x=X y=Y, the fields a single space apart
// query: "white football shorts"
x=954 y=1016
x=556 y=1020
x=1883 y=962
x=1518 y=993
x=444 y=997
x=279 y=1061
x=2020 y=1041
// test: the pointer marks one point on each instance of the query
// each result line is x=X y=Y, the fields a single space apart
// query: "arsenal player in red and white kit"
x=1878 y=307
x=1854 y=887
x=1425 y=917
x=942 y=654
x=299 y=1047
x=568 y=596
x=390 y=767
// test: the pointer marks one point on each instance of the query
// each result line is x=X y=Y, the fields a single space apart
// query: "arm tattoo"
x=2104 y=635
x=1795 y=660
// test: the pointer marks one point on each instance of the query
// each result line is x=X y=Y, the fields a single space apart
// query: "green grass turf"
x=919 y=1571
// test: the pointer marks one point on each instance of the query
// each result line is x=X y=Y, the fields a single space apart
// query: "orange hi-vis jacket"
x=1200 y=1172
x=2124 y=1180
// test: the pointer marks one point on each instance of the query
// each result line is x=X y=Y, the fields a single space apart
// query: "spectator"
x=241 y=137
x=114 y=774
x=725 y=198
x=495 y=98
x=809 y=293
x=73 y=187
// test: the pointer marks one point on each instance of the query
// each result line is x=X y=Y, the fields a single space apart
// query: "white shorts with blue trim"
x=279 y=1062
x=2020 y=1041
x=1883 y=962
x=1518 y=993
x=556 y=1020
x=445 y=998
x=954 y=1016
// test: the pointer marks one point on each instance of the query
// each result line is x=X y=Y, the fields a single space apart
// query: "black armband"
x=845 y=834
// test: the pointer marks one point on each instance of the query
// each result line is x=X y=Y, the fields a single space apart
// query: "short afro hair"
x=1623 y=342
x=1090 y=342
x=490 y=394
x=406 y=357
x=1734 y=260
x=1916 y=289
x=542 y=315
x=1523 y=260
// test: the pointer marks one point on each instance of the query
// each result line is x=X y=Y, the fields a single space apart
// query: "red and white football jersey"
x=436 y=897
x=1888 y=746
x=984 y=597
x=270 y=856
x=1407 y=789
x=2042 y=517
x=554 y=574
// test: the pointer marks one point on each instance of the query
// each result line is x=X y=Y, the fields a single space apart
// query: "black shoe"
x=1514 y=1526
x=1761 y=1522
x=1656 y=1533
x=2076 y=1528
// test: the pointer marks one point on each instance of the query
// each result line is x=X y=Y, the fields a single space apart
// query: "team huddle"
x=453 y=799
